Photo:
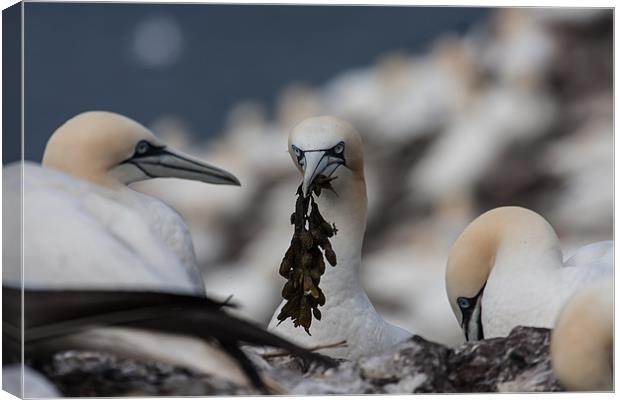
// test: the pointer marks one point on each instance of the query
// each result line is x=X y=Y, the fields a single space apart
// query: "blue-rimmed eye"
x=463 y=302
x=339 y=148
x=142 y=147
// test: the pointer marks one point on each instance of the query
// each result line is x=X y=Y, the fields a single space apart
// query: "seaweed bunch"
x=303 y=263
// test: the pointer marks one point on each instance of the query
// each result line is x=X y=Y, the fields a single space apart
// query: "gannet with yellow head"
x=112 y=150
x=506 y=269
x=84 y=228
x=582 y=341
x=332 y=147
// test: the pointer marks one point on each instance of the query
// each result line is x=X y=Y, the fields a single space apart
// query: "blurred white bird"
x=333 y=148
x=522 y=50
x=582 y=161
x=582 y=341
x=506 y=269
x=500 y=117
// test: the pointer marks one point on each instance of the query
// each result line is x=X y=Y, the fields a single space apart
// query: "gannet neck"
x=526 y=240
x=582 y=339
x=346 y=208
x=502 y=240
x=332 y=147
x=80 y=165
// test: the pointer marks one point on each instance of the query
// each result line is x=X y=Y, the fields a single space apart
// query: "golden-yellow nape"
x=92 y=143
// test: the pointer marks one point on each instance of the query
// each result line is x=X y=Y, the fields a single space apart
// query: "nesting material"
x=303 y=264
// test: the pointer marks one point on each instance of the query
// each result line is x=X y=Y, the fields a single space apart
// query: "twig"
x=342 y=343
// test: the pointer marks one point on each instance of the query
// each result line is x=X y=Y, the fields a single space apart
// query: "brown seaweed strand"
x=303 y=263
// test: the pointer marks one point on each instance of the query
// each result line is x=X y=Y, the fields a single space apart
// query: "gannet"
x=506 y=269
x=582 y=340
x=332 y=147
x=84 y=228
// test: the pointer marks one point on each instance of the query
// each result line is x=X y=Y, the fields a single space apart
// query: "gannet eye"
x=463 y=302
x=339 y=148
x=142 y=147
x=299 y=154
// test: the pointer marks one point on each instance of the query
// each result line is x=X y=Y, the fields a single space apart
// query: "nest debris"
x=303 y=263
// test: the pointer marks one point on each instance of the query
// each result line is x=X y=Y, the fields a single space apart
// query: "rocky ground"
x=517 y=363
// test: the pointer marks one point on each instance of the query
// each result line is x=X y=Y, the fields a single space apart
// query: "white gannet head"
x=582 y=339
x=110 y=149
x=321 y=145
x=474 y=253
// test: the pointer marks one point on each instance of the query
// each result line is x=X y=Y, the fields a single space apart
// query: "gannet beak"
x=166 y=162
x=318 y=163
x=465 y=330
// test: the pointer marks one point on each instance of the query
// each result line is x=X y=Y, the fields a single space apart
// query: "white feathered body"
x=530 y=286
x=81 y=235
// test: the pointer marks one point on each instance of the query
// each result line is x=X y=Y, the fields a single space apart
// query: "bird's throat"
x=346 y=208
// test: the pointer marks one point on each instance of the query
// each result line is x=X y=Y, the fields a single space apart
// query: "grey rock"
x=517 y=363
x=86 y=374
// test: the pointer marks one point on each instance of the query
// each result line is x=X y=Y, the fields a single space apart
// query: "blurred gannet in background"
x=523 y=49
x=506 y=269
x=582 y=340
x=405 y=97
x=99 y=256
x=582 y=160
x=499 y=117
x=332 y=147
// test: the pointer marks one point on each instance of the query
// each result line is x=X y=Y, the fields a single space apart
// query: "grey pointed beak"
x=171 y=163
x=317 y=163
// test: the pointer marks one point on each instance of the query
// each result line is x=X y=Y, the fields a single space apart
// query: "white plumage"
x=82 y=235
x=535 y=295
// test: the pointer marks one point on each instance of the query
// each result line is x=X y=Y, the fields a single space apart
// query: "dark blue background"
x=78 y=57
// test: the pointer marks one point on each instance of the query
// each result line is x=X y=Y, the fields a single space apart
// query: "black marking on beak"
x=159 y=161
x=145 y=149
x=471 y=312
